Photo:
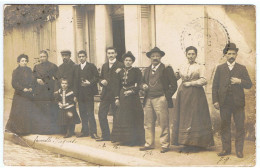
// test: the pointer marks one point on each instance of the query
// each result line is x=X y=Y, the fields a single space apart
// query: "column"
x=65 y=31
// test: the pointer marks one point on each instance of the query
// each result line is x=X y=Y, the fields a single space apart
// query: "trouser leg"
x=84 y=117
x=161 y=108
x=102 y=116
x=239 y=119
x=149 y=124
x=91 y=117
x=225 y=130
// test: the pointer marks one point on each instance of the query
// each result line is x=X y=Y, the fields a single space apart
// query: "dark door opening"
x=119 y=37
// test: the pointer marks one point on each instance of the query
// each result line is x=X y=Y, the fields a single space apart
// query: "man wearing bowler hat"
x=228 y=96
x=66 y=71
x=159 y=84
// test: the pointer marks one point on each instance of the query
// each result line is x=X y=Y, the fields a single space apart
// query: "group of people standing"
x=45 y=99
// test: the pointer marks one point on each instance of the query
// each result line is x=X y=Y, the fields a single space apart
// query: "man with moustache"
x=159 y=84
x=228 y=96
x=85 y=87
x=66 y=71
x=108 y=81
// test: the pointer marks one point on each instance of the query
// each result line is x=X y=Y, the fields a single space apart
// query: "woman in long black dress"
x=192 y=125
x=19 y=121
x=44 y=119
x=129 y=126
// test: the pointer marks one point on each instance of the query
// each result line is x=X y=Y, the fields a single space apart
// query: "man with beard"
x=85 y=87
x=159 y=84
x=66 y=71
x=108 y=79
x=229 y=83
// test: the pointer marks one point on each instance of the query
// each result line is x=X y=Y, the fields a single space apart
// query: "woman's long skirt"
x=192 y=123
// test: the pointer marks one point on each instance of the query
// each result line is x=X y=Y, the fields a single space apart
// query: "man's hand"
x=26 y=90
x=85 y=83
x=117 y=102
x=187 y=84
x=104 y=82
x=235 y=81
x=216 y=105
x=75 y=99
x=145 y=87
x=30 y=90
x=40 y=82
x=127 y=93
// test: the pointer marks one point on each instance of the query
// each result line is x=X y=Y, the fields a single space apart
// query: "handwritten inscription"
x=55 y=140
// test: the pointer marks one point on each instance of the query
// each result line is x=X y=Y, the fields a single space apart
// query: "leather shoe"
x=164 y=150
x=67 y=136
x=145 y=148
x=224 y=153
x=82 y=135
x=103 y=139
x=94 y=136
x=240 y=155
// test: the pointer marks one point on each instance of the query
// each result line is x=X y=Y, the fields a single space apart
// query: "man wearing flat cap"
x=159 y=84
x=66 y=71
x=228 y=96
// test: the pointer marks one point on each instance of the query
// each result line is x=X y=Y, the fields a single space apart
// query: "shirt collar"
x=112 y=62
x=83 y=63
x=156 y=67
x=231 y=65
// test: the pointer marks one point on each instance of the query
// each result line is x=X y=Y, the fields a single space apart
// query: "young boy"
x=68 y=115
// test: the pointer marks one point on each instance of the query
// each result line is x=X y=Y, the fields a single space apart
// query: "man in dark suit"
x=229 y=83
x=159 y=84
x=66 y=71
x=108 y=80
x=85 y=87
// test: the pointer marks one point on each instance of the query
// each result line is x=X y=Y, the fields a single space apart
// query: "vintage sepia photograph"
x=147 y=85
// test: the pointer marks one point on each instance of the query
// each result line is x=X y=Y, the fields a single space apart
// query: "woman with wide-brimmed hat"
x=129 y=126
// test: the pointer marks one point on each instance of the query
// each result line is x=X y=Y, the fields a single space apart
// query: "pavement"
x=109 y=154
x=35 y=157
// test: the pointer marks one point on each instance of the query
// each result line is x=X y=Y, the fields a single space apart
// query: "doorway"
x=119 y=37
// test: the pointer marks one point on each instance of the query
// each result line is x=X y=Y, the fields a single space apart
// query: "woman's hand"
x=187 y=84
x=61 y=105
x=117 y=102
x=40 y=82
x=145 y=87
x=127 y=93
x=26 y=90
x=30 y=90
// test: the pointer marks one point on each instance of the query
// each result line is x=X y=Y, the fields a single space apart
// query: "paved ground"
x=17 y=155
x=178 y=156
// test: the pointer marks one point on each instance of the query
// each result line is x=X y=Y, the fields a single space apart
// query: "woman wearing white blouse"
x=192 y=124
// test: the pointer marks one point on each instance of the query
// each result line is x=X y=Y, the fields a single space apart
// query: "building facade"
x=138 y=28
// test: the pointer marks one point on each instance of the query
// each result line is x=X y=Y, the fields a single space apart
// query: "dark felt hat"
x=129 y=54
x=65 y=52
x=230 y=46
x=155 y=49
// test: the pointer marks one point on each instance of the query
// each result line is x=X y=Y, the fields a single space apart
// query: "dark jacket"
x=221 y=83
x=110 y=75
x=168 y=79
x=65 y=70
x=90 y=73
x=22 y=77
x=47 y=72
